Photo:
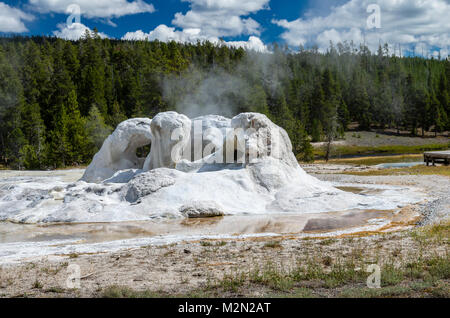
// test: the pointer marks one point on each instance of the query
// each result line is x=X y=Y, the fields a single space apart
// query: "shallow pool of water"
x=229 y=225
x=400 y=165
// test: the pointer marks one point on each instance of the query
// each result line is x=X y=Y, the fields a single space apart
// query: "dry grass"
x=346 y=279
x=372 y=161
x=417 y=170
x=353 y=150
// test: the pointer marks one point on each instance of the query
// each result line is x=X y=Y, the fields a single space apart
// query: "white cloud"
x=166 y=34
x=209 y=20
x=254 y=43
x=74 y=31
x=12 y=19
x=221 y=17
x=94 y=8
x=412 y=24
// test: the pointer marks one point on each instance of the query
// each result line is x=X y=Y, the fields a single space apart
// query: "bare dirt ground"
x=414 y=262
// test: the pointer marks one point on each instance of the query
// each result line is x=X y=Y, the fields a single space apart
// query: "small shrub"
x=273 y=244
x=37 y=284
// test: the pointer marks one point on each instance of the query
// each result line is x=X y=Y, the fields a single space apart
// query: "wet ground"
x=229 y=225
x=20 y=241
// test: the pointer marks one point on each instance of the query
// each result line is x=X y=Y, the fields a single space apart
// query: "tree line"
x=60 y=99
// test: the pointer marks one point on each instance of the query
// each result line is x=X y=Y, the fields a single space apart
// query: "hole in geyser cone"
x=143 y=152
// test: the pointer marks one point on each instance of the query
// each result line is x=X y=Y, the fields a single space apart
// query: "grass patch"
x=421 y=277
x=232 y=282
x=373 y=161
x=391 y=275
x=272 y=277
x=342 y=151
x=273 y=244
x=301 y=292
x=423 y=272
x=55 y=290
x=432 y=233
x=116 y=291
x=417 y=170
x=37 y=284
x=327 y=242
x=209 y=243
x=395 y=291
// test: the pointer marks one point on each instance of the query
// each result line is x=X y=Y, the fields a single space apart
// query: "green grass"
x=417 y=278
x=117 y=291
x=373 y=161
x=125 y=292
x=55 y=290
x=439 y=233
x=273 y=244
x=342 y=151
x=396 y=291
x=430 y=271
x=327 y=242
x=37 y=284
x=417 y=170
x=209 y=243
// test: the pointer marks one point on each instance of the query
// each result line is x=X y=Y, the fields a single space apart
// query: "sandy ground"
x=185 y=267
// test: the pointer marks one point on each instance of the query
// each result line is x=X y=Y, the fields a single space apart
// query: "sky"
x=409 y=27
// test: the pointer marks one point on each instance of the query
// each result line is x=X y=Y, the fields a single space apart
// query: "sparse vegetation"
x=344 y=279
x=376 y=160
x=273 y=244
x=417 y=170
x=37 y=284
x=55 y=290
x=126 y=292
x=342 y=151
x=414 y=263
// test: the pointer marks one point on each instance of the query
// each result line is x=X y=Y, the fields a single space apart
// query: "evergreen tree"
x=59 y=146
x=52 y=90
x=96 y=131
x=33 y=129
x=75 y=133
x=11 y=102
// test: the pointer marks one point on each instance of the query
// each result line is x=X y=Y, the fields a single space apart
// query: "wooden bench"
x=437 y=157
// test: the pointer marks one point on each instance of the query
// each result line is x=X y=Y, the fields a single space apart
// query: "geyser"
x=204 y=167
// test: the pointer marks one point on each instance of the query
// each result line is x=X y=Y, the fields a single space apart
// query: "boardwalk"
x=437 y=157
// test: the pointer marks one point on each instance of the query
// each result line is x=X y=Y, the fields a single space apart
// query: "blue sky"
x=413 y=25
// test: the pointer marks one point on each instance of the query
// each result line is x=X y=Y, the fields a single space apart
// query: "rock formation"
x=119 y=150
x=171 y=132
x=204 y=167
